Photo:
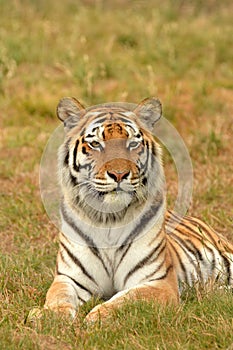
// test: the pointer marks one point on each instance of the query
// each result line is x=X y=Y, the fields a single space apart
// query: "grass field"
x=101 y=51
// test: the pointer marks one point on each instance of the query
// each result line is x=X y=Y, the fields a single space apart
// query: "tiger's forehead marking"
x=115 y=130
x=111 y=124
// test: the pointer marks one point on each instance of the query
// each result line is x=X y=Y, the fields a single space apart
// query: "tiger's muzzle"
x=117 y=175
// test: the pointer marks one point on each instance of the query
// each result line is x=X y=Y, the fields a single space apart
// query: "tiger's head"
x=110 y=165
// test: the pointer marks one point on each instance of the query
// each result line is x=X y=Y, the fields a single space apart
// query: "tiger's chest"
x=105 y=271
x=108 y=260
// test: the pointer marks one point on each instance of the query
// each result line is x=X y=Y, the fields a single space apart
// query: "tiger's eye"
x=133 y=144
x=95 y=144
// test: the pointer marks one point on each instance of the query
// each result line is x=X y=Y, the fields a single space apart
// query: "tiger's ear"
x=69 y=111
x=149 y=111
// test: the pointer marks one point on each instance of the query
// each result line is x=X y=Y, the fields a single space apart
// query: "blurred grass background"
x=101 y=51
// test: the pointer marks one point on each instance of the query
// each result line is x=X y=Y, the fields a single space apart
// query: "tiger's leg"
x=165 y=292
x=66 y=296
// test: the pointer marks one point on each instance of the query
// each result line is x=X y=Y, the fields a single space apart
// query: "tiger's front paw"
x=98 y=313
x=66 y=309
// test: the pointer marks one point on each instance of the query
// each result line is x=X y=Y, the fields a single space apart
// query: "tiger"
x=118 y=241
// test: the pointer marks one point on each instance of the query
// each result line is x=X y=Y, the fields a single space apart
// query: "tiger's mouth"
x=99 y=196
x=122 y=193
x=116 y=191
x=124 y=189
x=118 y=187
x=105 y=201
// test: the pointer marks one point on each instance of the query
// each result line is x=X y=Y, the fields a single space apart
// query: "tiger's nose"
x=118 y=175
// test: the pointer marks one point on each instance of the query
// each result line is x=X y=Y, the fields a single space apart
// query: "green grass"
x=105 y=51
x=202 y=324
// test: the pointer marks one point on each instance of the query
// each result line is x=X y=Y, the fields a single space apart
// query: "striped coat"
x=117 y=240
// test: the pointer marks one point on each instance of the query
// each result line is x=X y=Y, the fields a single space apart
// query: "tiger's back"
x=198 y=252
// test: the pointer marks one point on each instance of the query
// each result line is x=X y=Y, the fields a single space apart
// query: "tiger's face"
x=110 y=162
